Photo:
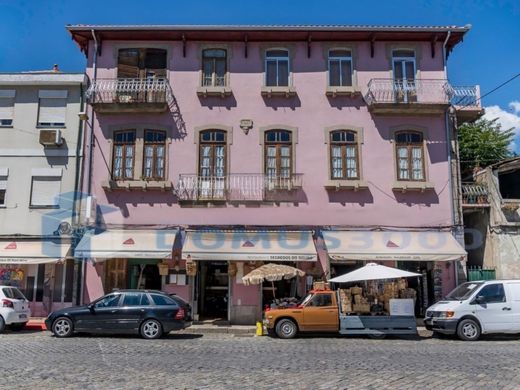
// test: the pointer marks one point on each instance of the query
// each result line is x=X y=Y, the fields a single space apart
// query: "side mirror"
x=90 y=306
x=480 y=300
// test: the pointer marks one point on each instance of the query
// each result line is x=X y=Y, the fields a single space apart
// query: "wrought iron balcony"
x=466 y=100
x=238 y=188
x=408 y=96
x=474 y=195
x=130 y=95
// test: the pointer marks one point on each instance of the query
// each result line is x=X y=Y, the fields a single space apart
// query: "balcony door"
x=278 y=159
x=403 y=63
x=212 y=164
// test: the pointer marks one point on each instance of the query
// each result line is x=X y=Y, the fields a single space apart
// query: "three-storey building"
x=318 y=146
x=40 y=149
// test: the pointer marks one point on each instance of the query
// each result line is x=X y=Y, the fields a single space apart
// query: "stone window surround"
x=290 y=90
x=338 y=184
x=405 y=185
x=229 y=142
x=353 y=48
x=294 y=142
x=417 y=49
x=138 y=182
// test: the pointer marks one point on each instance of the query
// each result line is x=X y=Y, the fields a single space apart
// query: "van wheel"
x=286 y=329
x=2 y=324
x=468 y=330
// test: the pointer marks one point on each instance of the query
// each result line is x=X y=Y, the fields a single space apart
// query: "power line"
x=490 y=92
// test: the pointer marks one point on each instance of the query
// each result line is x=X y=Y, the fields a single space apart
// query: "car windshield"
x=13 y=293
x=304 y=301
x=463 y=292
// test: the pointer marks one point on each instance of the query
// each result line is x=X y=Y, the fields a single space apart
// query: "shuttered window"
x=46 y=187
x=6 y=107
x=4 y=172
x=52 y=108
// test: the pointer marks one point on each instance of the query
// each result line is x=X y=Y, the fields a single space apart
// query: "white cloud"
x=508 y=119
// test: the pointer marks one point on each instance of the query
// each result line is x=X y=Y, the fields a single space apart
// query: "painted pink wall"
x=93 y=281
x=311 y=111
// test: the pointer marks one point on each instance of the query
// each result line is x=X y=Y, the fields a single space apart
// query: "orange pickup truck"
x=319 y=312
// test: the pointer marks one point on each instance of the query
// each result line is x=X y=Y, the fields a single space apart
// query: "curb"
x=35 y=325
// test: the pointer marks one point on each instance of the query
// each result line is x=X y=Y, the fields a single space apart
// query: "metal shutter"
x=53 y=107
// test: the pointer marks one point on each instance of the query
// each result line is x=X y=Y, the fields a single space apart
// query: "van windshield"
x=463 y=292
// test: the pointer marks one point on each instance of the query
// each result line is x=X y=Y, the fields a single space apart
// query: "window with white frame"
x=278 y=154
x=52 y=109
x=4 y=173
x=46 y=187
x=277 y=68
x=410 y=156
x=340 y=68
x=214 y=64
x=7 y=107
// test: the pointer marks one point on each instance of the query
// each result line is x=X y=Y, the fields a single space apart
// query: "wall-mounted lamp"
x=83 y=116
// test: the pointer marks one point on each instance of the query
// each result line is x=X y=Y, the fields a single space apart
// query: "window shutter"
x=45 y=190
x=52 y=111
x=7 y=104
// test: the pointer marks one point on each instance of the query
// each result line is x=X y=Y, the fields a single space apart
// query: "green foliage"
x=483 y=143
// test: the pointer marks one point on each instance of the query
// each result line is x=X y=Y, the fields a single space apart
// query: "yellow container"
x=259 y=329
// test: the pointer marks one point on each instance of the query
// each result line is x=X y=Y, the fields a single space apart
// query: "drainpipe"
x=91 y=141
x=449 y=151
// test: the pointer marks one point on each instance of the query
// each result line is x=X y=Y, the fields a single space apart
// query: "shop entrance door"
x=213 y=290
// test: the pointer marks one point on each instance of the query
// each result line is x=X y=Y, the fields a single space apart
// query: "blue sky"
x=33 y=36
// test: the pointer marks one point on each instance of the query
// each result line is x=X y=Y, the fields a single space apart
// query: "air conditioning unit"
x=51 y=138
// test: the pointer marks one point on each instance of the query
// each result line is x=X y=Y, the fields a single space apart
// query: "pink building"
x=286 y=142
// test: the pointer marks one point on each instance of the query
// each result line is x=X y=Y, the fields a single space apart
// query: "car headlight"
x=446 y=314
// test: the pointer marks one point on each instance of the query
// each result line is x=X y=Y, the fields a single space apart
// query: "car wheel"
x=151 y=329
x=18 y=326
x=468 y=330
x=286 y=329
x=62 y=327
x=2 y=324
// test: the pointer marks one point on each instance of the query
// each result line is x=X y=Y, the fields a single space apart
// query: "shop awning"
x=127 y=244
x=249 y=246
x=32 y=251
x=392 y=245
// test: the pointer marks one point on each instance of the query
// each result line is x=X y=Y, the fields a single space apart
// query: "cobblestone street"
x=217 y=361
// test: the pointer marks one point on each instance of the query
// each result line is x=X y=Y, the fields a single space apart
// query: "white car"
x=476 y=308
x=14 y=308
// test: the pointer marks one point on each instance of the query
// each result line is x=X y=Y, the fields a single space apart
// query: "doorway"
x=403 y=64
x=213 y=290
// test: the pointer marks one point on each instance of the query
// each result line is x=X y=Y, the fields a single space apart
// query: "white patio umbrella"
x=373 y=271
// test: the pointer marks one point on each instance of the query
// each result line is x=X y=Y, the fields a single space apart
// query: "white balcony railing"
x=465 y=96
x=237 y=187
x=419 y=91
x=150 y=90
x=474 y=195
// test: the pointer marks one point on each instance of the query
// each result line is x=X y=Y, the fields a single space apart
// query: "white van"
x=476 y=308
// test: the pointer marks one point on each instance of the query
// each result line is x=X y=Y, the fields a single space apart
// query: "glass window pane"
x=220 y=72
x=207 y=72
x=346 y=73
x=277 y=53
x=162 y=300
x=283 y=73
x=403 y=53
x=339 y=53
x=111 y=300
x=270 y=75
x=215 y=53
x=334 y=73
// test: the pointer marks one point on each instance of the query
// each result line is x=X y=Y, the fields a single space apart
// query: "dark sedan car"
x=148 y=313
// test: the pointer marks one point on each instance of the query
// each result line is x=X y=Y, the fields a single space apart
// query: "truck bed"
x=377 y=325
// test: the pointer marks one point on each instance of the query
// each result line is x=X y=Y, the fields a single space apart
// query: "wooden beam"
x=183 y=45
x=245 y=46
x=372 y=46
x=433 y=44
x=309 y=41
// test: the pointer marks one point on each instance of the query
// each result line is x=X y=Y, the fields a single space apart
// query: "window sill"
x=342 y=91
x=43 y=207
x=278 y=91
x=51 y=127
x=338 y=185
x=6 y=126
x=404 y=186
x=214 y=91
x=136 y=185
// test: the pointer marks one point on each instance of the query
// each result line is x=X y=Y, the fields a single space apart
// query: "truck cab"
x=317 y=312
